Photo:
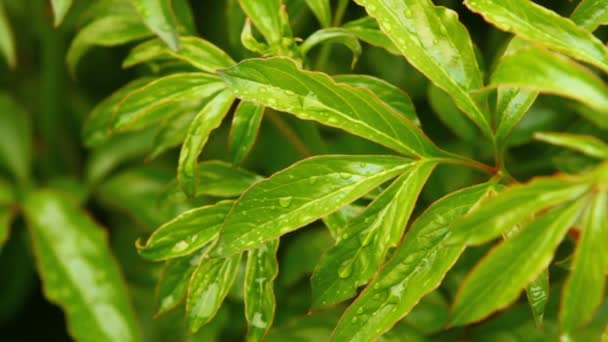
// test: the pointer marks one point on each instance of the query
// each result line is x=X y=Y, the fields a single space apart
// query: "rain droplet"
x=362 y=164
x=285 y=201
x=346 y=269
x=312 y=180
x=262 y=90
x=344 y=236
x=407 y=13
x=359 y=311
x=345 y=175
x=354 y=320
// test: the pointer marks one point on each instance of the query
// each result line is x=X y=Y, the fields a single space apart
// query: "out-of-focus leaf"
x=334 y=35
x=316 y=327
x=536 y=69
x=368 y=31
x=208 y=119
x=436 y=43
x=7 y=42
x=186 y=233
x=537 y=293
x=500 y=214
x=6 y=216
x=268 y=18
x=430 y=314
x=301 y=255
x=60 y=9
x=417 y=267
x=209 y=286
x=448 y=113
x=394 y=97
x=543 y=26
x=501 y=276
x=15 y=138
x=584 y=290
x=262 y=269
x=278 y=83
x=511 y=106
x=586 y=144
x=159 y=18
x=590 y=14
x=322 y=10
x=301 y=194
x=367 y=238
x=150 y=103
x=195 y=51
x=106 y=31
x=244 y=131
x=78 y=270
x=174 y=281
x=184 y=16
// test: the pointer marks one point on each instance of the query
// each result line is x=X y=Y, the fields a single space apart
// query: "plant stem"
x=454 y=159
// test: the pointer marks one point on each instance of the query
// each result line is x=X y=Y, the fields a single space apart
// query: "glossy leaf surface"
x=368 y=31
x=268 y=18
x=174 y=281
x=245 y=126
x=590 y=14
x=585 y=144
x=159 y=18
x=334 y=35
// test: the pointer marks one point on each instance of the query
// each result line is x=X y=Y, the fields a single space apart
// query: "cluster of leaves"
x=395 y=229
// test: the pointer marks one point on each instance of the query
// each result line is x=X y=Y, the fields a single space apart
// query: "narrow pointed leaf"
x=361 y=249
x=159 y=18
x=586 y=144
x=537 y=293
x=268 y=18
x=436 y=43
x=173 y=132
x=278 y=83
x=511 y=106
x=174 y=281
x=536 y=69
x=501 y=276
x=391 y=95
x=249 y=41
x=321 y=10
x=209 y=286
x=60 y=9
x=590 y=14
x=72 y=256
x=417 y=267
x=499 y=214
x=543 y=26
x=6 y=217
x=195 y=51
x=334 y=35
x=7 y=42
x=584 y=289
x=261 y=270
x=337 y=221
x=368 y=31
x=208 y=119
x=186 y=233
x=244 y=131
x=15 y=138
x=301 y=194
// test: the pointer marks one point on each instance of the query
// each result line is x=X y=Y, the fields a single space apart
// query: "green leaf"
x=6 y=217
x=336 y=222
x=60 y=9
x=195 y=51
x=245 y=126
x=187 y=233
x=301 y=254
x=391 y=95
x=208 y=119
x=261 y=271
x=209 y=286
x=436 y=43
x=173 y=131
x=15 y=138
x=367 y=238
x=159 y=18
x=268 y=18
x=174 y=281
x=537 y=293
x=334 y=35
x=499 y=214
x=249 y=41
x=417 y=267
x=7 y=42
x=543 y=26
x=322 y=10
x=511 y=106
x=447 y=112
x=367 y=30
x=584 y=290
x=586 y=144
x=220 y=179
x=73 y=257
x=590 y=14
x=149 y=104
x=301 y=194
x=106 y=31
x=499 y=278
x=536 y=69
x=278 y=83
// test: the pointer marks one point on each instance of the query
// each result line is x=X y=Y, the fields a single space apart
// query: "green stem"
x=455 y=159
x=325 y=52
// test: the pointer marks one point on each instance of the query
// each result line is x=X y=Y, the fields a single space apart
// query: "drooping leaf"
x=268 y=18
x=249 y=41
x=500 y=214
x=321 y=10
x=334 y=35
x=209 y=286
x=417 y=267
x=186 y=233
x=7 y=42
x=367 y=238
x=60 y=9
x=278 y=83
x=15 y=138
x=301 y=194
x=584 y=290
x=500 y=277
x=159 y=18
x=261 y=271
x=536 y=69
x=590 y=14
x=586 y=144
x=391 y=95
x=244 y=131
x=436 y=43
x=368 y=31
x=73 y=257
x=195 y=51
x=208 y=119
x=174 y=281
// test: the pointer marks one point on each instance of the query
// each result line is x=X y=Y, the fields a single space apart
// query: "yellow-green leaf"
x=159 y=18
